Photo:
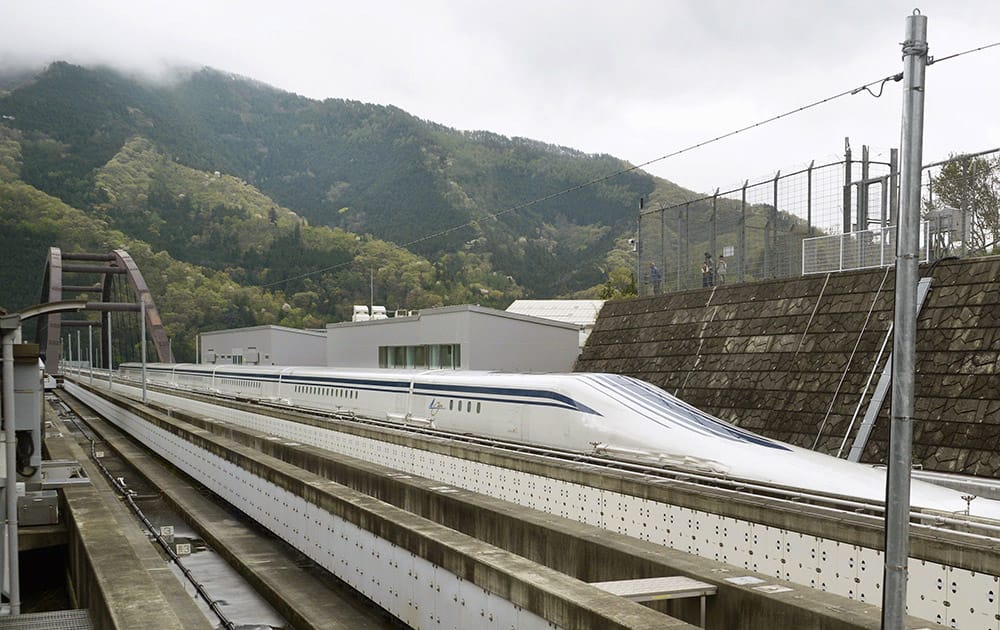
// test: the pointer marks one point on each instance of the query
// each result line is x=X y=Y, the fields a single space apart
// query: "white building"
x=581 y=313
x=263 y=345
x=456 y=337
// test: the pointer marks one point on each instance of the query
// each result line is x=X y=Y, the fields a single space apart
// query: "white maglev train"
x=608 y=414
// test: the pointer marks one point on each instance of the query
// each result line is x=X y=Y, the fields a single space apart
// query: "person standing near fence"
x=655 y=277
x=707 y=271
x=720 y=270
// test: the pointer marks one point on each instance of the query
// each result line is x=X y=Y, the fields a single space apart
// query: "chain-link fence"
x=756 y=231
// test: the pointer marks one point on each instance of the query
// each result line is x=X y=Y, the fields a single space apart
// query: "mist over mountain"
x=480 y=209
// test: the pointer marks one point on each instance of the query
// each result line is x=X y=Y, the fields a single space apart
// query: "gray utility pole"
x=904 y=342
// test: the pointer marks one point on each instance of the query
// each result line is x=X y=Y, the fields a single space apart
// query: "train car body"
x=606 y=414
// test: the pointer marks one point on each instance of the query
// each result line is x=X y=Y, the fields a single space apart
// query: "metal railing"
x=864 y=249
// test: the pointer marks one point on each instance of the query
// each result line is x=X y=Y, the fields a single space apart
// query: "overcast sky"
x=638 y=79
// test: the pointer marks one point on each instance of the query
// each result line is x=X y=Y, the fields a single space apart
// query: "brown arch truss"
x=106 y=266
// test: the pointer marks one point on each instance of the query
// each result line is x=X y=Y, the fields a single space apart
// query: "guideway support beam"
x=388 y=550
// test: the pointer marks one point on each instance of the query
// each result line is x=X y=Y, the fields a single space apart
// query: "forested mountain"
x=234 y=176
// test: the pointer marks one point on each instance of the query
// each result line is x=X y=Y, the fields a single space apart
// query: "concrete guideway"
x=305 y=601
x=832 y=552
x=587 y=552
x=420 y=571
x=584 y=551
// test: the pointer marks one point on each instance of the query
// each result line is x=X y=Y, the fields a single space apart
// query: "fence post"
x=713 y=244
x=638 y=252
x=743 y=232
x=771 y=232
x=863 y=191
x=964 y=211
x=809 y=199
x=847 y=186
x=662 y=262
x=680 y=279
x=687 y=238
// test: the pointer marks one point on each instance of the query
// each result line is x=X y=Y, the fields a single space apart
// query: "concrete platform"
x=116 y=574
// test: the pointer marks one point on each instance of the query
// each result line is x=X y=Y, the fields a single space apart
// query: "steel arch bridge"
x=106 y=267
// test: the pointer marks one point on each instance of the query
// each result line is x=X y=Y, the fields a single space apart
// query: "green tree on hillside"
x=620 y=284
x=972 y=186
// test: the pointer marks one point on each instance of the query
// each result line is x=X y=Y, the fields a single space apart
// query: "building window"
x=433 y=356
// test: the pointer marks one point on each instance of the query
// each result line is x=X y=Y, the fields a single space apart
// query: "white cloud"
x=637 y=78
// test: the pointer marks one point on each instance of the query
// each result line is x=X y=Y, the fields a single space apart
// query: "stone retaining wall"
x=792 y=359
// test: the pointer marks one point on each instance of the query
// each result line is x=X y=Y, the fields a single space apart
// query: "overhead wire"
x=934 y=60
x=618 y=173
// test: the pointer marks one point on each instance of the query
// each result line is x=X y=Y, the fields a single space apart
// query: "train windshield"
x=660 y=407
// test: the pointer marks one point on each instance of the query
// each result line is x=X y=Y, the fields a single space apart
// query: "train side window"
x=479 y=407
x=468 y=407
